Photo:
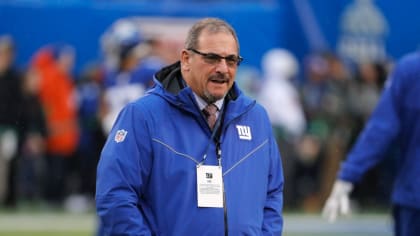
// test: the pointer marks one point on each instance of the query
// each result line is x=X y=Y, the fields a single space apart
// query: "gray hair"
x=212 y=25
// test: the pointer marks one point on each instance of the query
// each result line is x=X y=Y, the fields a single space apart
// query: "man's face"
x=208 y=75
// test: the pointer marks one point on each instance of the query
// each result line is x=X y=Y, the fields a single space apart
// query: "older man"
x=194 y=156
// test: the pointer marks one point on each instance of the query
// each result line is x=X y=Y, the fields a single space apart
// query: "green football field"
x=46 y=224
x=71 y=224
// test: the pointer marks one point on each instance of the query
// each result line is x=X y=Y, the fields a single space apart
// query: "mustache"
x=220 y=77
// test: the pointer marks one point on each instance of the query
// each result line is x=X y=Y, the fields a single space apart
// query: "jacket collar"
x=170 y=85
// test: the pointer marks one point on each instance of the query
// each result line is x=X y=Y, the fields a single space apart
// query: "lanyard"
x=213 y=134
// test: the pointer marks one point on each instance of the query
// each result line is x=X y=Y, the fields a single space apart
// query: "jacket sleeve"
x=379 y=133
x=273 y=219
x=122 y=174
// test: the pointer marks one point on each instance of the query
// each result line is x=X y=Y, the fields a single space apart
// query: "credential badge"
x=120 y=135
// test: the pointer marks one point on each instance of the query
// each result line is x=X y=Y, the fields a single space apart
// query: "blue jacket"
x=396 y=120
x=146 y=180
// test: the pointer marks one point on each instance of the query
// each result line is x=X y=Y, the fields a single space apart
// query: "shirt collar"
x=202 y=104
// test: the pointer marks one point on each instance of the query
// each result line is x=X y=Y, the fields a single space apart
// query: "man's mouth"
x=219 y=79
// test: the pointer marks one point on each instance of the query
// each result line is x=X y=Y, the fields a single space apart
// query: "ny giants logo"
x=244 y=132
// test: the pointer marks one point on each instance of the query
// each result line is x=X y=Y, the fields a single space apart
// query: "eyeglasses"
x=213 y=58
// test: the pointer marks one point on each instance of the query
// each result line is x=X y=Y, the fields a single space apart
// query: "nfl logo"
x=120 y=135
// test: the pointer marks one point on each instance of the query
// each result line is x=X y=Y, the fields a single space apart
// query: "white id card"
x=209 y=186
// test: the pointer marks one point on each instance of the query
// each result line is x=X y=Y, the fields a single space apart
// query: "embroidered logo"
x=120 y=135
x=244 y=132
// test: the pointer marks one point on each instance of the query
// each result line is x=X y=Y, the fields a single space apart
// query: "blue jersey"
x=121 y=88
x=396 y=120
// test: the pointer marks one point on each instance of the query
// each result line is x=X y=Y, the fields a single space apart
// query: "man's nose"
x=222 y=66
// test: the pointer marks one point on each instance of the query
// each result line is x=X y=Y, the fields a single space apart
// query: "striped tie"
x=210 y=113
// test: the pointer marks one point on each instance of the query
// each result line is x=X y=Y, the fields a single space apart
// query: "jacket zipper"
x=225 y=217
x=225 y=210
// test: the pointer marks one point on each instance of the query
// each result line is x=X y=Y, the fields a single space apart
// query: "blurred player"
x=395 y=119
x=127 y=71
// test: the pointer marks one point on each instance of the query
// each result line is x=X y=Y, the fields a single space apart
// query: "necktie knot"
x=210 y=113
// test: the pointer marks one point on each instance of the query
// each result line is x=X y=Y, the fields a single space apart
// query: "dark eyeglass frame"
x=212 y=58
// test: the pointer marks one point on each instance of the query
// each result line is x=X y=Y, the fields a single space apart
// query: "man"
x=396 y=118
x=57 y=93
x=165 y=171
x=10 y=101
x=130 y=77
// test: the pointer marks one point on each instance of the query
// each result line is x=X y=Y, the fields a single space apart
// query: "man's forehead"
x=207 y=32
x=221 y=40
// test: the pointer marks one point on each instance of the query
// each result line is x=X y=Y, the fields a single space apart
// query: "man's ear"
x=185 y=60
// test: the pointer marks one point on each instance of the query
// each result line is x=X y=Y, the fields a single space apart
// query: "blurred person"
x=58 y=98
x=326 y=99
x=92 y=137
x=314 y=89
x=364 y=95
x=394 y=121
x=33 y=130
x=366 y=90
x=195 y=156
x=131 y=72
x=279 y=95
x=10 y=100
x=340 y=121
x=324 y=92
x=335 y=100
x=310 y=150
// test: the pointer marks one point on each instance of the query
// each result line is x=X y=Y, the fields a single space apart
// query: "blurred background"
x=68 y=66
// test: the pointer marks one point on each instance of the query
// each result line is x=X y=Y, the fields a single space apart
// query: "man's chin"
x=212 y=97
